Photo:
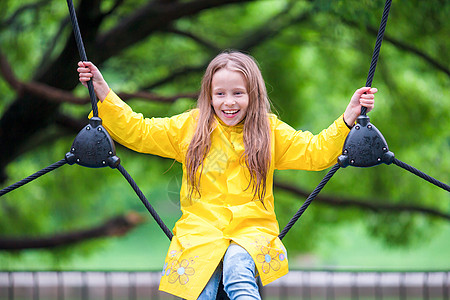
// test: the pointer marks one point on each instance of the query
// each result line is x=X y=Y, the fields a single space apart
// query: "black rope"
x=376 y=50
x=308 y=201
x=336 y=167
x=144 y=200
x=79 y=41
x=421 y=174
x=32 y=177
x=122 y=170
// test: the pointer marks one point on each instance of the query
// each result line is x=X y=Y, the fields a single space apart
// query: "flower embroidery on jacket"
x=180 y=271
x=269 y=259
x=164 y=269
x=283 y=254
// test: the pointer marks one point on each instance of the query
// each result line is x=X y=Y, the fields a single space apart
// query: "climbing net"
x=93 y=147
x=365 y=146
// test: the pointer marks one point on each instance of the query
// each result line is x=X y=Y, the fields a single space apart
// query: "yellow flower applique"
x=269 y=259
x=180 y=272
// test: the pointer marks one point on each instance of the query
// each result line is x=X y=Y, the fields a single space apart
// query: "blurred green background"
x=313 y=55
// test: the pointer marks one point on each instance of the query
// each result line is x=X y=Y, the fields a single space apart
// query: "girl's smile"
x=229 y=96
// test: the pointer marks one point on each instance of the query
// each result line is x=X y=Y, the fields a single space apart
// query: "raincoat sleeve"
x=304 y=151
x=158 y=136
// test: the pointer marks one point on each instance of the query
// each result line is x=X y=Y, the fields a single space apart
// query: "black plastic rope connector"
x=365 y=146
x=358 y=143
x=93 y=147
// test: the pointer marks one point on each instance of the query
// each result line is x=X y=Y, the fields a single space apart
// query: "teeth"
x=231 y=111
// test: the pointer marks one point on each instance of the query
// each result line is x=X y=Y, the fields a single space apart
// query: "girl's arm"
x=296 y=149
x=88 y=71
x=362 y=97
x=158 y=136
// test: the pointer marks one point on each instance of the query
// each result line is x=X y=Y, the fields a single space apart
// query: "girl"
x=229 y=147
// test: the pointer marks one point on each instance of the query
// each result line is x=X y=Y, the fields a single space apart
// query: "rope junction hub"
x=93 y=147
x=365 y=146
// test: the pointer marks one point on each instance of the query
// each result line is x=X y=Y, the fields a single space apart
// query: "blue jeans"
x=238 y=272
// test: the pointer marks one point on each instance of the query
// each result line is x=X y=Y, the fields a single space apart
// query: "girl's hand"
x=88 y=71
x=362 y=97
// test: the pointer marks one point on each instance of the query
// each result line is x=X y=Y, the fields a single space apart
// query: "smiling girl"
x=229 y=147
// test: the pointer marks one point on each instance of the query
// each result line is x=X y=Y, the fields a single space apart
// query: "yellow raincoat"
x=226 y=210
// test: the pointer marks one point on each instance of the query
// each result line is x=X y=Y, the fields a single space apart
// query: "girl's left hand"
x=362 y=97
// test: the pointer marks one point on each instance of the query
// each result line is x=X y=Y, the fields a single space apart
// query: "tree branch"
x=116 y=226
x=139 y=25
x=155 y=97
x=8 y=74
x=149 y=18
x=176 y=74
x=61 y=96
x=116 y=5
x=69 y=123
x=369 y=204
x=193 y=37
x=52 y=45
x=401 y=45
x=8 y=22
x=271 y=28
x=251 y=39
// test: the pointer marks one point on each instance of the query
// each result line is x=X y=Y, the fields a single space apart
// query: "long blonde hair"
x=256 y=123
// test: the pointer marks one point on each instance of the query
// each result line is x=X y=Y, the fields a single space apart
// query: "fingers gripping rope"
x=112 y=160
x=79 y=40
x=32 y=177
x=376 y=50
x=336 y=167
x=356 y=153
x=93 y=136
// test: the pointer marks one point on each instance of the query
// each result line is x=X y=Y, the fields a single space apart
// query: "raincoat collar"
x=238 y=127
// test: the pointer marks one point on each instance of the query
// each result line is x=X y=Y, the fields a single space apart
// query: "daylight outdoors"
x=312 y=54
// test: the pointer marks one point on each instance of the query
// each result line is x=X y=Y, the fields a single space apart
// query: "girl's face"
x=229 y=96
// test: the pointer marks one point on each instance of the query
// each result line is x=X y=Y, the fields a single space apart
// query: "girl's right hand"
x=88 y=71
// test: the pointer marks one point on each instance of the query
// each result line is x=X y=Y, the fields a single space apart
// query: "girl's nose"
x=229 y=101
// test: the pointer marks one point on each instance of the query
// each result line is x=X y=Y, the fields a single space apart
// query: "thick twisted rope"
x=421 y=174
x=122 y=170
x=144 y=200
x=32 y=177
x=308 y=201
x=369 y=80
x=79 y=41
x=376 y=50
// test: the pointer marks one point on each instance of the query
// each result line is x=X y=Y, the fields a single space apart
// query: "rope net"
x=142 y=197
x=308 y=201
x=144 y=200
x=32 y=177
x=421 y=174
x=369 y=80
x=83 y=56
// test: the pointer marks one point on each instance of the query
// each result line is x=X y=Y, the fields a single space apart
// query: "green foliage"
x=311 y=68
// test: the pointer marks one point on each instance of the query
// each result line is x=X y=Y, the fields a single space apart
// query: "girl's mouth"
x=230 y=113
